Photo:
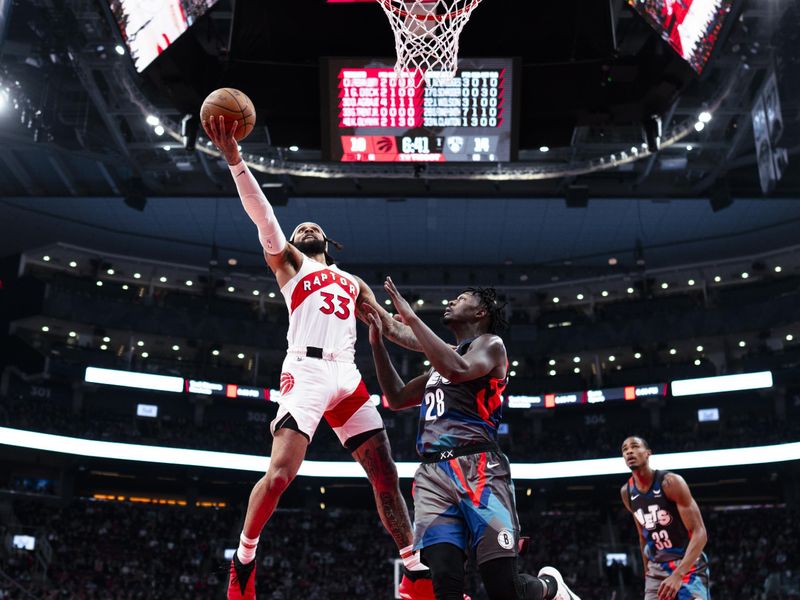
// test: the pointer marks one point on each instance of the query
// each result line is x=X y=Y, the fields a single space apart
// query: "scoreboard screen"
x=691 y=27
x=374 y=115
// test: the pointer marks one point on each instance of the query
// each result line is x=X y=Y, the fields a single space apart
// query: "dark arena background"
x=624 y=173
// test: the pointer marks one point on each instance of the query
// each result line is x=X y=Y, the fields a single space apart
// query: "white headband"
x=324 y=237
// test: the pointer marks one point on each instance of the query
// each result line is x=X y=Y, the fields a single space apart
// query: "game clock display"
x=374 y=115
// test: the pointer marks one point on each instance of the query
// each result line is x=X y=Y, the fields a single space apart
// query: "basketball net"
x=426 y=34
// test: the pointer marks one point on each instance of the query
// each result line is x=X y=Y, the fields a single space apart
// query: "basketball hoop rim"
x=387 y=4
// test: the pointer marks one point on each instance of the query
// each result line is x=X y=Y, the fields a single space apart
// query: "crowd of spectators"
x=119 y=550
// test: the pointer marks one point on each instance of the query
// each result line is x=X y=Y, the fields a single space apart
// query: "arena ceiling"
x=83 y=144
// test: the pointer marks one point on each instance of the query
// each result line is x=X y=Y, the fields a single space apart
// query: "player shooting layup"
x=671 y=530
x=319 y=377
x=463 y=494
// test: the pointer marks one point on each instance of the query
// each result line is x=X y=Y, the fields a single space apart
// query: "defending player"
x=671 y=530
x=463 y=494
x=319 y=377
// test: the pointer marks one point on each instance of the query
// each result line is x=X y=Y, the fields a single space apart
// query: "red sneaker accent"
x=240 y=572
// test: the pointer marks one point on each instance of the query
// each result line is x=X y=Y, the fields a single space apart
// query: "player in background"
x=463 y=493
x=319 y=378
x=671 y=530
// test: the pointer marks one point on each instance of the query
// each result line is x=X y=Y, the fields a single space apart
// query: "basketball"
x=233 y=105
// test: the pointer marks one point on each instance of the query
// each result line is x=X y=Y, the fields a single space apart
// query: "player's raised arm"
x=399 y=395
x=486 y=353
x=282 y=258
x=394 y=330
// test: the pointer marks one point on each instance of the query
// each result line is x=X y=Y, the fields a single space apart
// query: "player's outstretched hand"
x=375 y=325
x=401 y=305
x=222 y=139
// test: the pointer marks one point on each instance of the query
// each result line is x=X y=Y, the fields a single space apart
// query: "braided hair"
x=494 y=307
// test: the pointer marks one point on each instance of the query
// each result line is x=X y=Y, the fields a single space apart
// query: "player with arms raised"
x=319 y=377
x=463 y=494
x=671 y=530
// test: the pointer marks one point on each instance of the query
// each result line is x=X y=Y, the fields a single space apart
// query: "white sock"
x=411 y=559
x=247 y=549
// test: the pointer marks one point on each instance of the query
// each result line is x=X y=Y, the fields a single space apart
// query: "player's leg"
x=503 y=581
x=446 y=563
x=288 y=451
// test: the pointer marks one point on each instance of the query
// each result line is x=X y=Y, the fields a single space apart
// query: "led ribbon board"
x=725 y=383
x=349 y=469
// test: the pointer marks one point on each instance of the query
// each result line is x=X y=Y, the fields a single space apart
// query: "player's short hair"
x=495 y=308
x=645 y=443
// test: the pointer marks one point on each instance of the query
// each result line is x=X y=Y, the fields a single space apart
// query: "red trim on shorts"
x=341 y=413
x=476 y=495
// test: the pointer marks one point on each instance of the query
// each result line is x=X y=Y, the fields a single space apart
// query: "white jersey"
x=321 y=300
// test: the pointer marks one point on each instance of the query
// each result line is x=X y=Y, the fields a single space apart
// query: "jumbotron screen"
x=691 y=27
x=150 y=26
x=374 y=115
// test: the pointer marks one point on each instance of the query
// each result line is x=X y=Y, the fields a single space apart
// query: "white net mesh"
x=426 y=34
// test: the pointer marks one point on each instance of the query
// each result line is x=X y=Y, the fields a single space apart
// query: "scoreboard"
x=374 y=115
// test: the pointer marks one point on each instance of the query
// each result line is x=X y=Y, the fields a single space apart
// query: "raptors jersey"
x=459 y=414
x=321 y=300
x=666 y=535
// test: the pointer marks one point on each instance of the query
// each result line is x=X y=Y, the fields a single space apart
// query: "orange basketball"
x=233 y=105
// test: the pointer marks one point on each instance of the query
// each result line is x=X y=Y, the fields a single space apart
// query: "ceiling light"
x=699 y=126
x=103 y=347
x=697 y=362
x=387 y=302
x=552 y=372
x=604 y=294
x=556 y=300
x=705 y=117
x=778 y=269
x=45 y=328
x=215 y=352
x=691 y=282
x=119 y=49
x=631 y=290
x=717 y=279
x=579 y=296
x=72 y=334
x=552 y=362
x=689 y=147
x=577 y=359
x=110 y=271
x=124 y=286
x=544 y=148
x=231 y=289
x=232 y=262
x=515 y=363
x=240 y=355
x=420 y=302
x=152 y=120
x=73 y=264
x=294 y=148
x=106 y=339
x=513 y=374
x=46 y=258
x=140 y=343
x=137 y=275
x=742 y=343
x=745 y=275
x=427 y=363
x=99 y=283
x=166 y=148
x=789 y=337
x=256 y=293
x=637 y=356
x=576 y=370
x=159 y=130
x=175 y=348
x=613 y=261
x=162 y=279
x=664 y=285
x=145 y=354
x=672 y=351
x=699 y=348
x=271 y=294
x=189 y=283
x=444 y=302
x=612 y=358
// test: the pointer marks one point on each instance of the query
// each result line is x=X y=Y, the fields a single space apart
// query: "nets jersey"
x=666 y=535
x=459 y=414
x=321 y=300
